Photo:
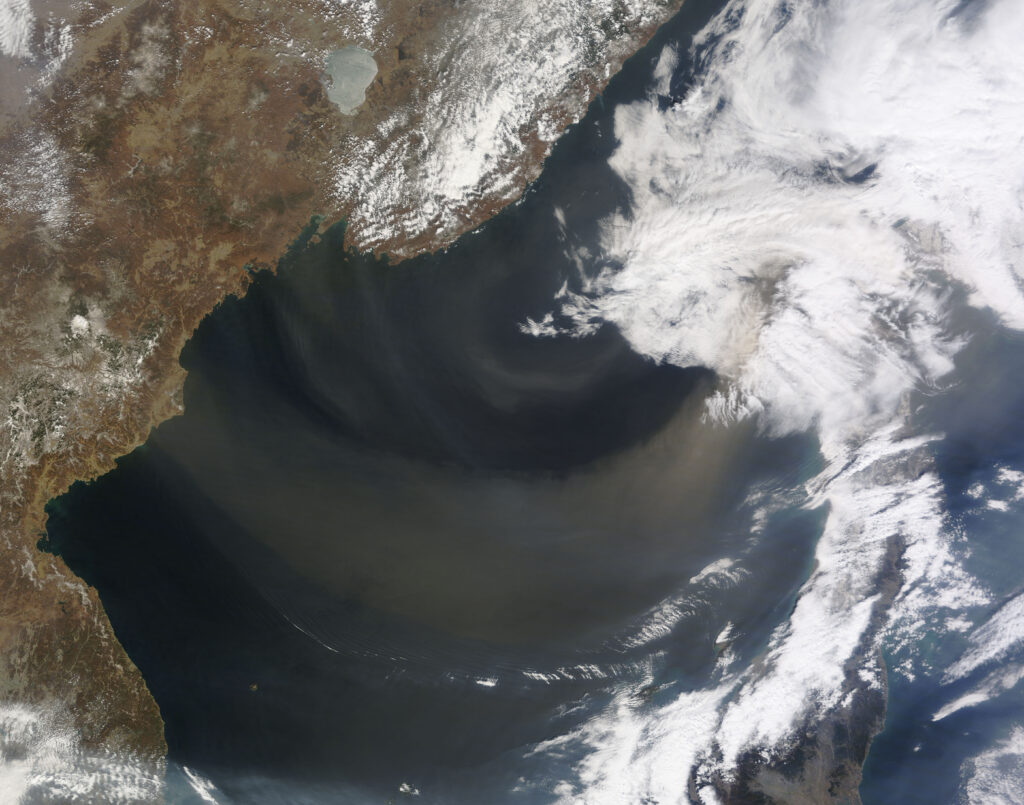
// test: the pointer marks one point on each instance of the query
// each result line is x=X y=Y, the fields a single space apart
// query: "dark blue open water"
x=917 y=759
x=390 y=524
x=396 y=540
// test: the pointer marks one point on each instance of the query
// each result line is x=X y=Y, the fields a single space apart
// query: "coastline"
x=82 y=394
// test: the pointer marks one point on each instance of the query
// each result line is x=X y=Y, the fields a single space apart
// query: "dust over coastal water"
x=414 y=535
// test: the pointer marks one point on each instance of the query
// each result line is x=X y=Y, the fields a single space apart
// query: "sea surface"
x=579 y=508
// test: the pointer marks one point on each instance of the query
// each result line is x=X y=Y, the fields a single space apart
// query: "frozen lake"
x=349 y=72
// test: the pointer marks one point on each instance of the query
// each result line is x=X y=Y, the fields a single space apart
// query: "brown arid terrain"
x=153 y=150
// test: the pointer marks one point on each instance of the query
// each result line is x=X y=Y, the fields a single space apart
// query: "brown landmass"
x=177 y=143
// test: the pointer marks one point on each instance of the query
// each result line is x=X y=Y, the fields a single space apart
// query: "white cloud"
x=996 y=777
x=16 y=23
x=797 y=220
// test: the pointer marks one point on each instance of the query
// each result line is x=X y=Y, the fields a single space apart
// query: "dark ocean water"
x=397 y=541
x=917 y=759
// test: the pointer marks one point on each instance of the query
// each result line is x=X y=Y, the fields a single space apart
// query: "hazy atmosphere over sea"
x=705 y=452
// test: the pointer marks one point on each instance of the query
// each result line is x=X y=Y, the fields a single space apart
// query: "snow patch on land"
x=366 y=12
x=37 y=180
x=504 y=72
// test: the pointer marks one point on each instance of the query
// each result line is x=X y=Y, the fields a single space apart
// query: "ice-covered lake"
x=349 y=72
